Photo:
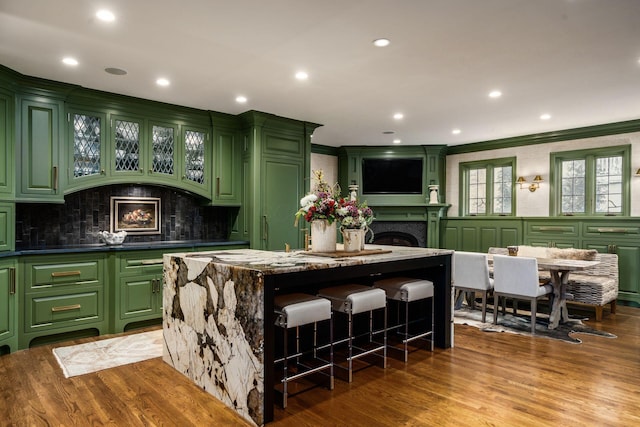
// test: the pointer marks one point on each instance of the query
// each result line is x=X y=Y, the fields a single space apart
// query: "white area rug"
x=98 y=355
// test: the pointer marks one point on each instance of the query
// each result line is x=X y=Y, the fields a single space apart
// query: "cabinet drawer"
x=612 y=230
x=47 y=275
x=141 y=263
x=60 y=309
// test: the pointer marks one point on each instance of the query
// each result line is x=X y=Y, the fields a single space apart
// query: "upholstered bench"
x=597 y=286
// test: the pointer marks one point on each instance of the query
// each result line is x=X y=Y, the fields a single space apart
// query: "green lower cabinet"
x=628 y=268
x=8 y=303
x=62 y=296
x=140 y=298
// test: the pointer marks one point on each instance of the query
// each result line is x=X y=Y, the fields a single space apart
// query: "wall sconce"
x=638 y=172
x=534 y=185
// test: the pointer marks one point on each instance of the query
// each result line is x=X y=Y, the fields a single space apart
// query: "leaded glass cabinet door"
x=163 y=152
x=88 y=138
x=197 y=164
x=127 y=137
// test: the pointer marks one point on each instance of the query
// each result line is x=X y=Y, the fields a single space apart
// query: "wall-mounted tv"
x=392 y=176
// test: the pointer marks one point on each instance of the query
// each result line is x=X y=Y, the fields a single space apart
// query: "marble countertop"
x=275 y=262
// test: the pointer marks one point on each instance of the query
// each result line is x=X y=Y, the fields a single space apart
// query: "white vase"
x=323 y=236
x=353 y=239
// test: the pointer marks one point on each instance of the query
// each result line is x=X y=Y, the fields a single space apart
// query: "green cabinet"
x=479 y=234
x=7 y=159
x=8 y=305
x=227 y=159
x=7 y=226
x=41 y=135
x=62 y=294
x=138 y=288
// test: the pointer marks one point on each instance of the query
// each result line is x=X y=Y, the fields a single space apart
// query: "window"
x=487 y=187
x=591 y=182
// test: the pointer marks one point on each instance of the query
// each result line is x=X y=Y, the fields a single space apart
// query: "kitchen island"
x=218 y=310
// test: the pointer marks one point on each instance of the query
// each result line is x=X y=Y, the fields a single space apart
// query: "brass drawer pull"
x=613 y=230
x=66 y=273
x=65 y=308
x=552 y=228
x=151 y=261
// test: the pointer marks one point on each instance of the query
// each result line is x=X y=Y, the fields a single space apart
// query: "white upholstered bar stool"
x=293 y=311
x=351 y=300
x=405 y=290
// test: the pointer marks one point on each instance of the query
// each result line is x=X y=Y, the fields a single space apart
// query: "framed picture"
x=139 y=215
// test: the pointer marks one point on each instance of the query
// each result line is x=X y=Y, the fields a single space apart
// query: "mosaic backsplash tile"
x=84 y=213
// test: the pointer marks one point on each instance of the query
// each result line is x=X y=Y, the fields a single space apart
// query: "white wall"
x=532 y=160
x=329 y=166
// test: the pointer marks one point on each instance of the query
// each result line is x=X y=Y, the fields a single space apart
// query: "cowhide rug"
x=521 y=324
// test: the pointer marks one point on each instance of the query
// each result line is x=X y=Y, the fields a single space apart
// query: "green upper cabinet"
x=127 y=139
x=161 y=160
x=227 y=160
x=41 y=133
x=87 y=151
x=6 y=145
x=7 y=226
x=196 y=160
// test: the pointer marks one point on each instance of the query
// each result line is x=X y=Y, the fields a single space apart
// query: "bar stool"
x=295 y=310
x=354 y=299
x=407 y=290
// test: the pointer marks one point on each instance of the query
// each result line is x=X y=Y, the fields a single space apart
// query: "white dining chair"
x=517 y=278
x=471 y=274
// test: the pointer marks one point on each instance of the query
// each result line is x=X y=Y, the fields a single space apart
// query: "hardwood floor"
x=488 y=379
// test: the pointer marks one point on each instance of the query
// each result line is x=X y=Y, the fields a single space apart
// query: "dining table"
x=559 y=269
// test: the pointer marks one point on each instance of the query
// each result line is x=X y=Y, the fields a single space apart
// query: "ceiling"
x=577 y=60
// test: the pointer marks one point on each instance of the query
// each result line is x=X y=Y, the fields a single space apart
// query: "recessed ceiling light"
x=105 y=15
x=398 y=116
x=545 y=116
x=115 y=71
x=241 y=99
x=495 y=94
x=456 y=131
x=397 y=141
x=162 y=82
x=381 y=42
x=301 y=75
x=70 y=61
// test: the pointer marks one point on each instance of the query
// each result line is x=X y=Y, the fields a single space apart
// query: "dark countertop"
x=133 y=246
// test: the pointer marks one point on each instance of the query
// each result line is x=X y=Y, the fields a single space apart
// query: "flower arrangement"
x=322 y=203
x=353 y=215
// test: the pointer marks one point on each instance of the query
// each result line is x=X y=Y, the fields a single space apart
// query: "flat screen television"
x=392 y=176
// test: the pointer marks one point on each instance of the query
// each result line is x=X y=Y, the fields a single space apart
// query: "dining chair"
x=471 y=274
x=517 y=278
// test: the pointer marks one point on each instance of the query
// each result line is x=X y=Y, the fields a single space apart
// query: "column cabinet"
x=277 y=164
x=8 y=305
x=41 y=135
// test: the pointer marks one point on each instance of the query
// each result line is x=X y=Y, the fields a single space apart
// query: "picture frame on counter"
x=135 y=215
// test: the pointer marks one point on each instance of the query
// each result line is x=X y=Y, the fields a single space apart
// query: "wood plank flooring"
x=488 y=379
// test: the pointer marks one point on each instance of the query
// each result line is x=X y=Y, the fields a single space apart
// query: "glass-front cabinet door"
x=197 y=162
x=127 y=140
x=163 y=152
x=87 y=131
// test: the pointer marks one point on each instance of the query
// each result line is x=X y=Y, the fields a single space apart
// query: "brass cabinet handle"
x=265 y=232
x=551 y=228
x=66 y=273
x=55 y=178
x=65 y=308
x=12 y=280
x=218 y=187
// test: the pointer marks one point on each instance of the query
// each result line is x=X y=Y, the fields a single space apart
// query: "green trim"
x=589 y=155
x=323 y=149
x=543 y=138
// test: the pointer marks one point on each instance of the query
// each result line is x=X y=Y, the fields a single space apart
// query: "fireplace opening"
x=395 y=238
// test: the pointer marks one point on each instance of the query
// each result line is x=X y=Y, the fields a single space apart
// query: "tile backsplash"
x=76 y=222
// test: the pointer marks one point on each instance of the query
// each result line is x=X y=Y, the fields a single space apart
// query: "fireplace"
x=399 y=233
